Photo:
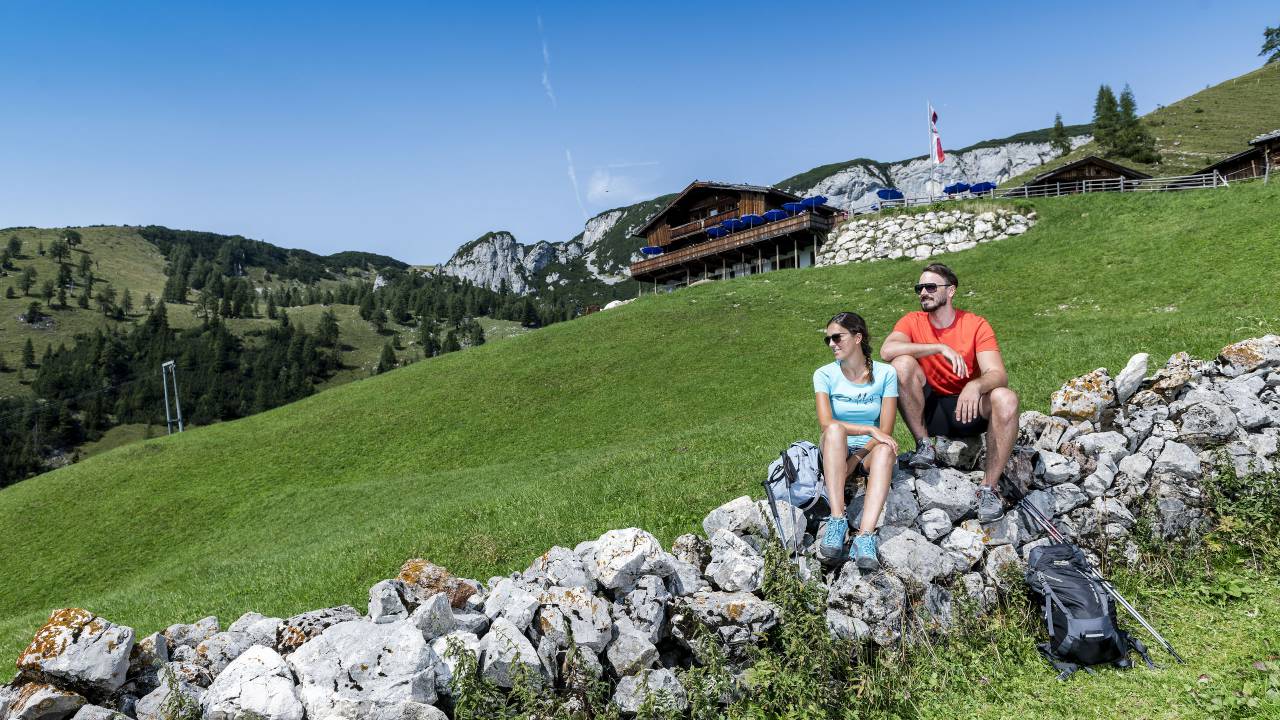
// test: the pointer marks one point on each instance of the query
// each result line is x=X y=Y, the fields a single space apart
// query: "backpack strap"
x=1136 y=644
x=1065 y=669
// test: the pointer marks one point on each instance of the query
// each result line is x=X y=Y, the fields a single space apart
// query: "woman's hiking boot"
x=864 y=553
x=831 y=548
x=990 y=506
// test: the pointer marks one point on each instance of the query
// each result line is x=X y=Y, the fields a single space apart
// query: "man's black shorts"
x=940 y=416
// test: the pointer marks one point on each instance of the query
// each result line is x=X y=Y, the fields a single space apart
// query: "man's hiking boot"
x=990 y=506
x=923 y=457
x=831 y=548
x=863 y=552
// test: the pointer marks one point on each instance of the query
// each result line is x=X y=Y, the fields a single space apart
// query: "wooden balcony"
x=806 y=221
x=697 y=226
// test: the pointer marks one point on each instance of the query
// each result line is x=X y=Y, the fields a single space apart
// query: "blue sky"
x=410 y=128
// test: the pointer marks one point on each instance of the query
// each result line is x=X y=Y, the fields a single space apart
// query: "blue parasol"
x=775 y=215
x=889 y=194
x=792 y=208
x=751 y=220
x=955 y=188
x=716 y=231
x=813 y=202
x=982 y=187
x=651 y=250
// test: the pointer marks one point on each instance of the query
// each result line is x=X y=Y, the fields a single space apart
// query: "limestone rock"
x=630 y=652
x=386 y=601
x=447 y=658
x=94 y=712
x=260 y=629
x=965 y=542
x=910 y=556
x=434 y=617
x=80 y=650
x=735 y=565
x=511 y=600
x=410 y=710
x=792 y=518
x=934 y=524
x=844 y=627
x=1178 y=459
x=740 y=516
x=1068 y=497
x=506 y=650
x=947 y=490
x=961 y=453
x=1085 y=397
x=1130 y=378
x=217 y=651
x=736 y=618
x=258 y=681
x=154 y=705
x=1249 y=355
x=191 y=634
x=300 y=628
x=357 y=668
x=423 y=579
x=661 y=685
x=1206 y=423
x=561 y=566
x=573 y=611
x=40 y=701
x=622 y=556
x=693 y=550
x=997 y=559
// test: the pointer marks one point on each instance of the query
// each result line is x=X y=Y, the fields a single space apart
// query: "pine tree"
x=271 y=305
x=1132 y=139
x=28 y=354
x=83 y=300
x=379 y=320
x=15 y=246
x=1058 y=139
x=126 y=301
x=33 y=313
x=62 y=298
x=450 y=343
x=27 y=279
x=1271 y=44
x=327 y=331
x=1106 y=119
x=387 y=361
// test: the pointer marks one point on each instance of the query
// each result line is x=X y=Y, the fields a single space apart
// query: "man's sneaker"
x=831 y=548
x=990 y=506
x=924 y=457
x=863 y=552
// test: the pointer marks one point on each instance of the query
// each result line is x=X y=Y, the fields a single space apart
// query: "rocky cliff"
x=594 y=265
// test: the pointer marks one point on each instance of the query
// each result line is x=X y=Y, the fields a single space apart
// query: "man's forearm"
x=915 y=350
x=989 y=381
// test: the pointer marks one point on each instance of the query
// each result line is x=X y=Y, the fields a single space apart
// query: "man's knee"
x=906 y=367
x=1004 y=405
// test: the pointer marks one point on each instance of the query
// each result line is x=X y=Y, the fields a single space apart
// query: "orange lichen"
x=433 y=579
x=63 y=627
x=733 y=611
x=1244 y=353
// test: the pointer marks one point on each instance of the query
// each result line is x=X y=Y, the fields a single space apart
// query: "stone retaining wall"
x=922 y=235
x=1115 y=450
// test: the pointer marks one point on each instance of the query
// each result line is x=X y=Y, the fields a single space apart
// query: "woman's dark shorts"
x=940 y=416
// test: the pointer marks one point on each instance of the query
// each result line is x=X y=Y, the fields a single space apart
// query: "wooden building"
x=696 y=247
x=1085 y=174
x=1262 y=158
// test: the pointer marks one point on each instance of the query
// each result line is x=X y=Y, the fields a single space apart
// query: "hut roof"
x=1230 y=158
x=1126 y=172
x=706 y=184
x=1264 y=137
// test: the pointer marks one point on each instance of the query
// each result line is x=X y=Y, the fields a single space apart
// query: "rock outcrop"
x=919 y=235
x=623 y=609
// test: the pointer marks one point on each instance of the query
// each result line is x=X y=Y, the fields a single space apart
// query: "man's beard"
x=930 y=304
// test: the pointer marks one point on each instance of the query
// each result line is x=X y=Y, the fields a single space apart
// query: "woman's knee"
x=881 y=457
x=834 y=431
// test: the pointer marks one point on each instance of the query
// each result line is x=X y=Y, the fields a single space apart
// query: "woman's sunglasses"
x=836 y=338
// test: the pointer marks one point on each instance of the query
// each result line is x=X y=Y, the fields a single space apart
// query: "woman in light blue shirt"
x=857 y=401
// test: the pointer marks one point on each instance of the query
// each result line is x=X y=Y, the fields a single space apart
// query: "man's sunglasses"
x=930 y=288
x=836 y=338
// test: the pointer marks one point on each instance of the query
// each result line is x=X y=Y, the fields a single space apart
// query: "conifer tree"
x=387 y=361
x=379 y=320
x=1132 y=139
x=450 y=343
x=126 y=301
x=27 y=279
x=62 y=298
x=1106 y=112
x=1271 y=44
x=28 y=354
x=1058 y=139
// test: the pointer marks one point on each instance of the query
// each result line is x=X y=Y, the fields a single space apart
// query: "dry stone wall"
x=886 y=237
x=620 y=607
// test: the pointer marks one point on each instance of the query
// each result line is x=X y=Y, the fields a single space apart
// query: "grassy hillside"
x=648 y=415
x=1199 y=129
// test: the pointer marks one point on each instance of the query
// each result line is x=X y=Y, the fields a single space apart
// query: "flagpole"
x=933 y=160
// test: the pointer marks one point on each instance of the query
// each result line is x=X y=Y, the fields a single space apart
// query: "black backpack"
x=1078 y=612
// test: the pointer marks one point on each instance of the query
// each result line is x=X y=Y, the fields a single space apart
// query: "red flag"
x=935 y=142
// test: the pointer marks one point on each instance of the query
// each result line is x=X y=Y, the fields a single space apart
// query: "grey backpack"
x=796 y=476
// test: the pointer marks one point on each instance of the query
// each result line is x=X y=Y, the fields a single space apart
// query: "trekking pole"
x=1057 y=536
x=788 y=472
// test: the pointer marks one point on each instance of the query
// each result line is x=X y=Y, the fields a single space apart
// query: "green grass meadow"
x=648 y=415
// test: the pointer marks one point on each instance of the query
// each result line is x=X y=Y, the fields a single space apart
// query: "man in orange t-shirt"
x=952 y=381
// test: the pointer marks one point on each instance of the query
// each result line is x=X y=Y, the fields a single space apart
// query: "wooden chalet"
x=1087 y=173
x=1261 y=159
x=695 y=247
